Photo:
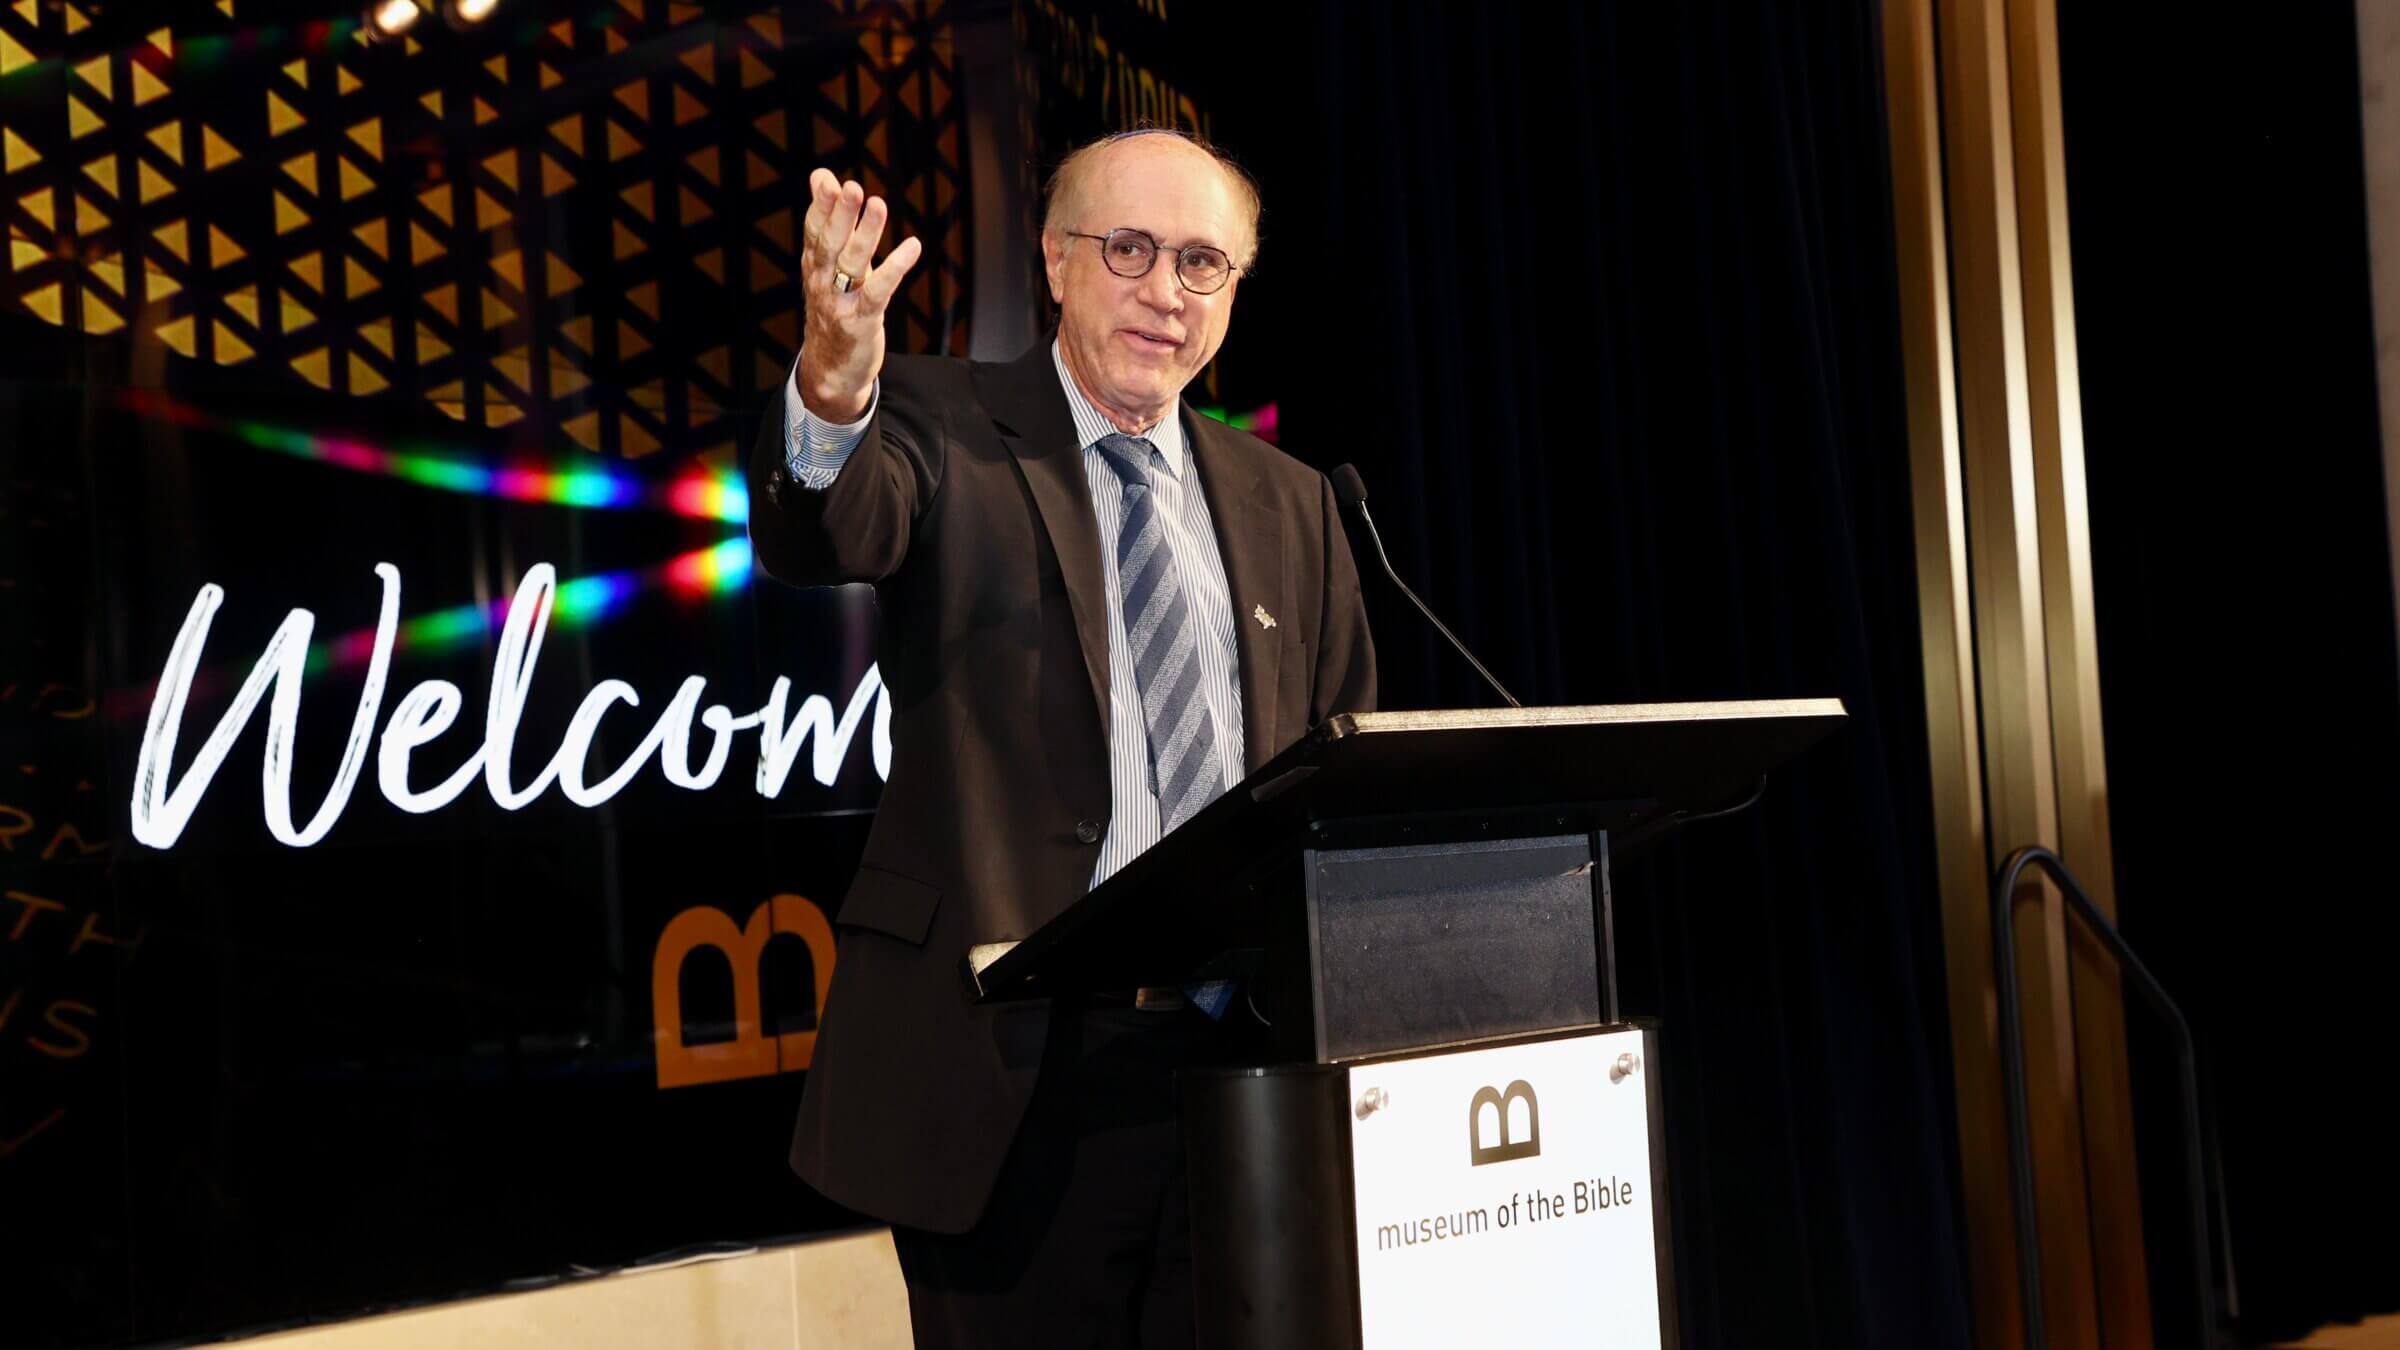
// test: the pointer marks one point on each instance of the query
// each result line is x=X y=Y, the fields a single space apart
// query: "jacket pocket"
x=890 y=903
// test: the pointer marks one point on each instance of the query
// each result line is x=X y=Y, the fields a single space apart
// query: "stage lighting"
x=388 y=19
x=465 y=13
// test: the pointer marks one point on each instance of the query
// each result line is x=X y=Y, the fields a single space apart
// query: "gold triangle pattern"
x=703 y=150
x=95 y=73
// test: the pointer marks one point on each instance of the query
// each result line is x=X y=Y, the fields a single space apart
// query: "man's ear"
x=1054 y=265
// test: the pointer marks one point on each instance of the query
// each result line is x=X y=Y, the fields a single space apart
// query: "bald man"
x=1101 y=610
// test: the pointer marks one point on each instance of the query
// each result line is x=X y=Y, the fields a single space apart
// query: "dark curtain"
x=1601 y=302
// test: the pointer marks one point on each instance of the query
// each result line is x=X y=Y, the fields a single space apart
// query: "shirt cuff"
x=816 y=449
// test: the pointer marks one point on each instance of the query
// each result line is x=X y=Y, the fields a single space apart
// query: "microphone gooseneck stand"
x=1351 y=490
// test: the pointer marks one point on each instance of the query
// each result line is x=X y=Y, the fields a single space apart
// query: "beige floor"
x=842 y=1291
x=2376 y=1333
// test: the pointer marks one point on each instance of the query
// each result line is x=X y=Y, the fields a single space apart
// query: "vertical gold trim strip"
x=1953 y=730
x=2011 y=649
x=2379 y=124
x=2011 y=671
x=2070 y=628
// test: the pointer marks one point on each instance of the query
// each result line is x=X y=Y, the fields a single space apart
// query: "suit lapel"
x=1249 y=529
x=1030 y=411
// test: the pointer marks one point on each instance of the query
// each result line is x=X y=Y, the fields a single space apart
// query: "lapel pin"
x=1265 y=620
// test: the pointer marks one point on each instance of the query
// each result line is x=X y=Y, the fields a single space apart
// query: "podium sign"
x=1508 y=1196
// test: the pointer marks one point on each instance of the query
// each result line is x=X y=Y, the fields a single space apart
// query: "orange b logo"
x=751 y=1053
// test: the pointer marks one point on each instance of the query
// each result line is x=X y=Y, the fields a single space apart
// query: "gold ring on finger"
x=843 y=281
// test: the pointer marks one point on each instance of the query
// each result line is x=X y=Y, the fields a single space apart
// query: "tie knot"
x=1129 y=456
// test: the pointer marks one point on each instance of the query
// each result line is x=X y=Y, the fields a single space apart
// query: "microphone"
x=1351 y=490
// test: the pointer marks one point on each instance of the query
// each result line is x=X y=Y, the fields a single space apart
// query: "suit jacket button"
x=1087 y=832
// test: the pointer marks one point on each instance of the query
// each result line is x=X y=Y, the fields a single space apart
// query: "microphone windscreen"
x=1348 y=487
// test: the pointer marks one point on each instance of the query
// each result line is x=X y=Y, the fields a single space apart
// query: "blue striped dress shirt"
x=817 y=450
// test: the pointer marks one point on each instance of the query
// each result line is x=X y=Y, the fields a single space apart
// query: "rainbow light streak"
x=588 y=599
x=1259 y=421
x=700 y=492
x=710 y=570
x=696 y=575
x=208 y=51
x=709 y=498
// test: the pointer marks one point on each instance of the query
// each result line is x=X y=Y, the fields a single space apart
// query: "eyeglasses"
x=1130 y=253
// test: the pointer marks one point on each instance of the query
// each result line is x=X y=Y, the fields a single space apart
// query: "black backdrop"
x=1600 y=300
x=2245 y=604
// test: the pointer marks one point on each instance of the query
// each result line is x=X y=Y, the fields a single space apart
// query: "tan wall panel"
x=2379 y=117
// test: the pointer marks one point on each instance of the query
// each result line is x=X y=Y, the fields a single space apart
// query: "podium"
x=1453 y=1137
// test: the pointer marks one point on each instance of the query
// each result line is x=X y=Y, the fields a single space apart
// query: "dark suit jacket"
x=967 y=506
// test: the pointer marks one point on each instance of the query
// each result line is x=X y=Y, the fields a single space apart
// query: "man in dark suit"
x=1101 y=609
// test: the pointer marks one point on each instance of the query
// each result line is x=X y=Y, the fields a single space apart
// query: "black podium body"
x=1415 y=903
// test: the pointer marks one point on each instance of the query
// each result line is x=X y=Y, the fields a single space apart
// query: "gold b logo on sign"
x=751 y=1053
x=1503 y=1148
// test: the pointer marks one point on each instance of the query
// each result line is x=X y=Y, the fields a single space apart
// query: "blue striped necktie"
x=1165 y=642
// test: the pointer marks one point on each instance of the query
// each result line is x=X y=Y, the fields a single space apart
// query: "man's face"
x=1134 y=343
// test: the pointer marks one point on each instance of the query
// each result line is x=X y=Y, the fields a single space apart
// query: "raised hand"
x=845 y=293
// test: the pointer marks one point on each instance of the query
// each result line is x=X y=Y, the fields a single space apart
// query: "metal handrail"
x=2020 y=1125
